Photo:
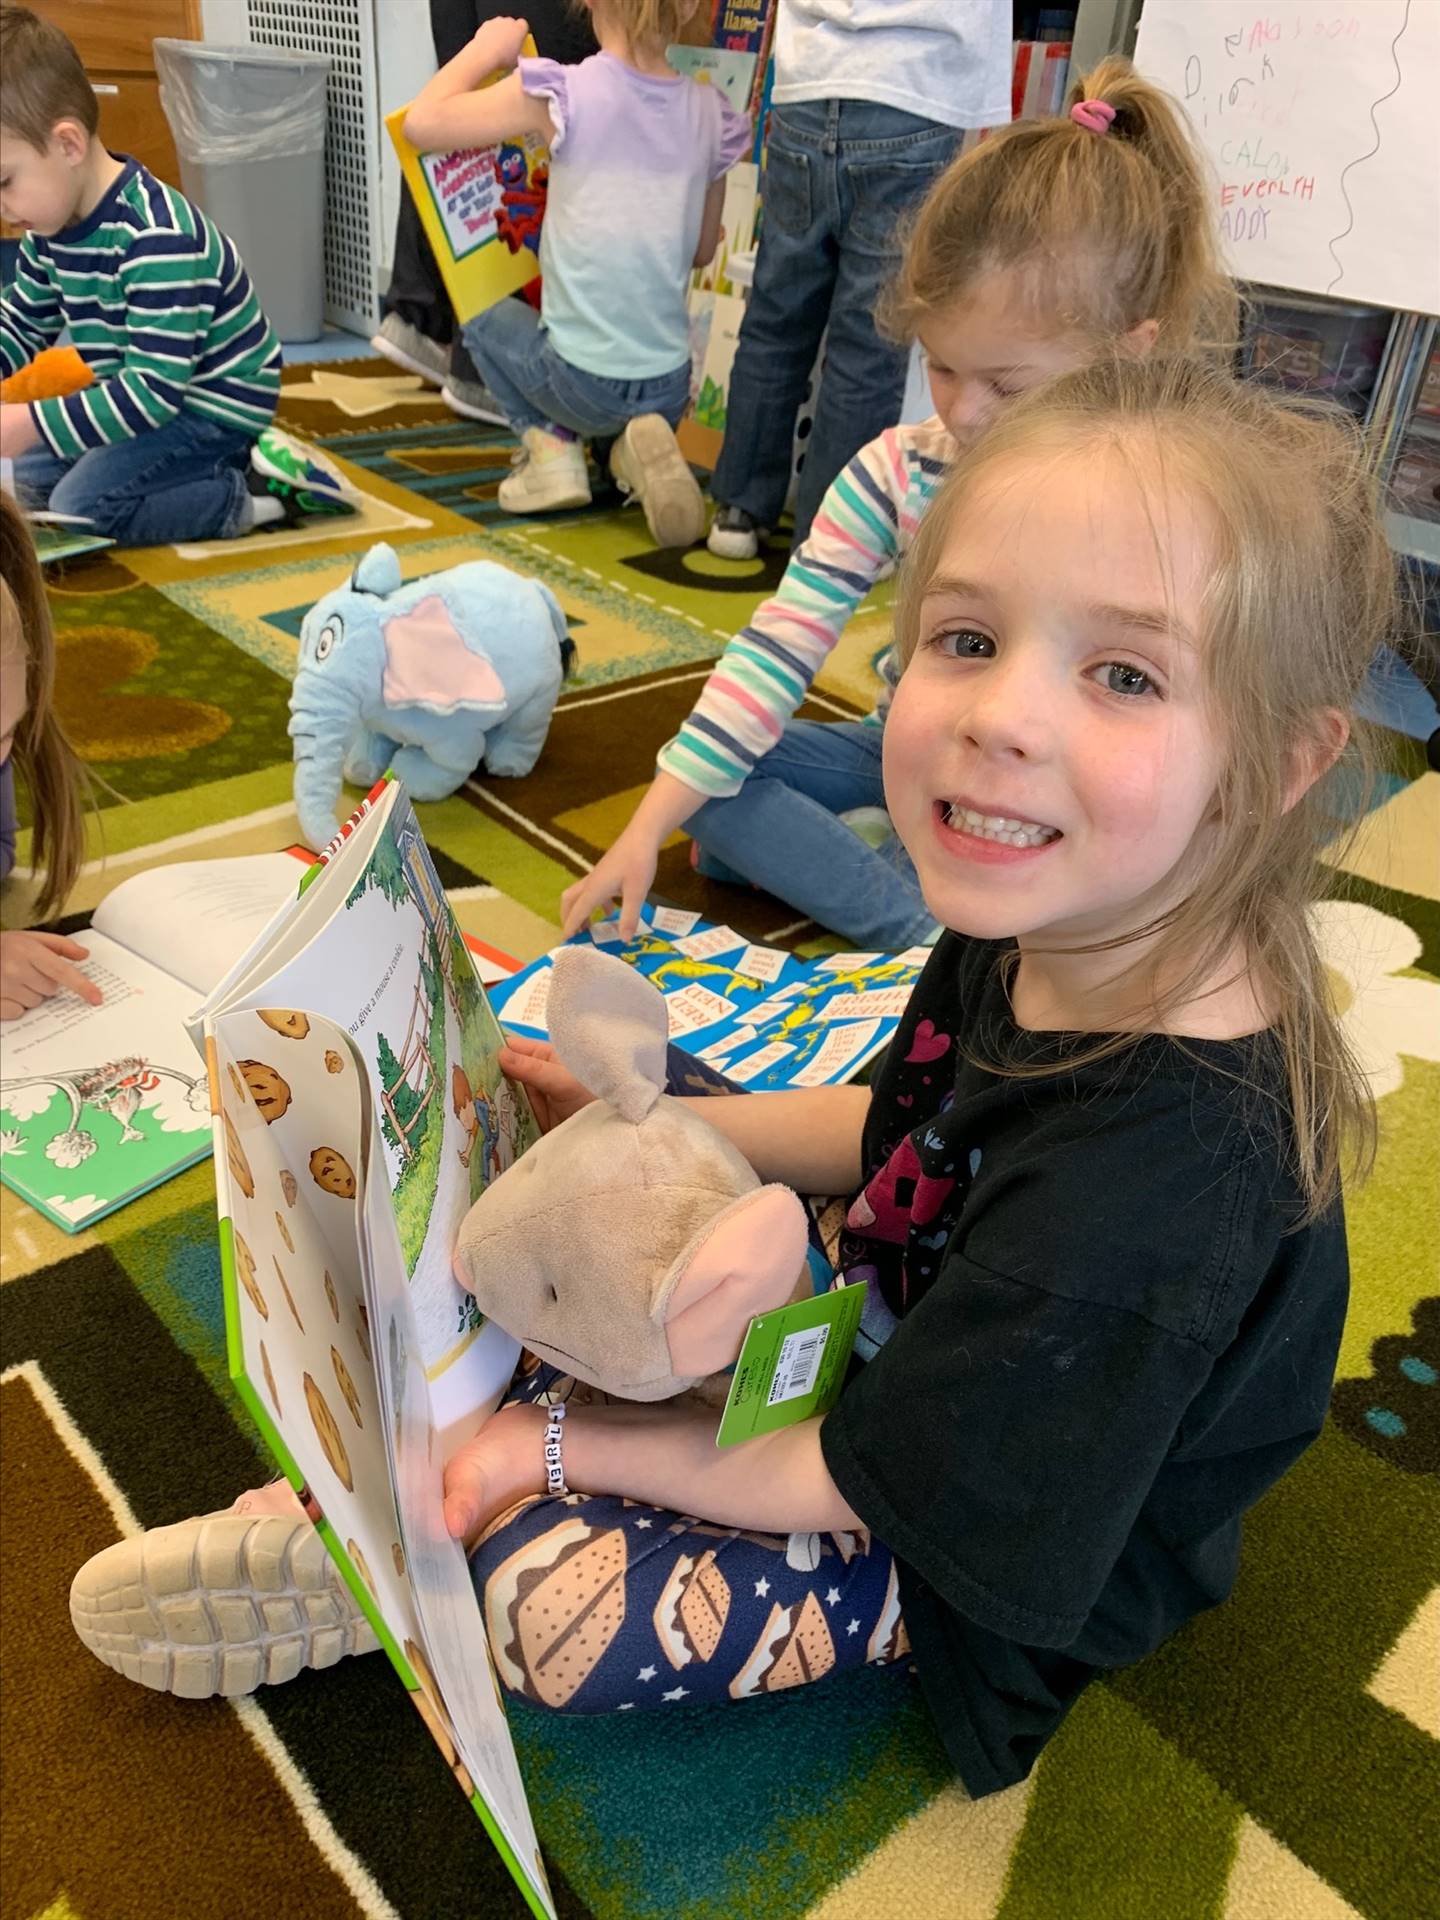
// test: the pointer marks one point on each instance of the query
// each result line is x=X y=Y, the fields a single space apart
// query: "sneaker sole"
x=220 y=1605
x=331 y=478
x=550 y=503
x=661 y=480
x=408 y=362
x=492 y=416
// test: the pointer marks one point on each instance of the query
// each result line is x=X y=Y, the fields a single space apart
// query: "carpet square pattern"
x=1280 y=1758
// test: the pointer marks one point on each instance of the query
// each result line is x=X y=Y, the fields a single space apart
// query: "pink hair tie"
x=1096 y=116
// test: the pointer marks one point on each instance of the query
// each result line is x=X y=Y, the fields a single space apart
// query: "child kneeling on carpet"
x=638 y=155
x=1097 y=1177
x=34 y=965
x=1052 y=241
x=173 y=441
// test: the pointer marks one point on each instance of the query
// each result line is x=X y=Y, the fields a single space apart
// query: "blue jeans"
x=182 y=481
x=536 y=388
x=782 y=832
x=840 y=176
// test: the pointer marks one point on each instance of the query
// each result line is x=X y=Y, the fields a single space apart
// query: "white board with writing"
x=1319 y=120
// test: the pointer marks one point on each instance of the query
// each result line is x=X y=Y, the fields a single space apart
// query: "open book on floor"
x=99 y=1104
x=358 y=1109
x=757 y=1014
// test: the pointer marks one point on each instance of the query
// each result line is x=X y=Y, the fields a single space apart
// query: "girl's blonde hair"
x=1102 y=230
x=1301 y=592
x=644 y=23
x=41 y=753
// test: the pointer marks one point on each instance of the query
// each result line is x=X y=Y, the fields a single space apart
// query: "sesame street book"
x=100 y=1103
x=358 y=1107
x=763 y=1017
x=481 y=208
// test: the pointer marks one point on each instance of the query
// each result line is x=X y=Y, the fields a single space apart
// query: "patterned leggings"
x=594 y=1604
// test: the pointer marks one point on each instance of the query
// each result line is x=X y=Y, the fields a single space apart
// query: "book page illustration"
x=305 y=1340
x=98 y=1104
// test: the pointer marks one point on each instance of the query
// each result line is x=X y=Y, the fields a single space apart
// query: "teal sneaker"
x=298 y=476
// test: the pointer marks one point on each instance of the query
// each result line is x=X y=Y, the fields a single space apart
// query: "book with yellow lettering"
x=481 y=208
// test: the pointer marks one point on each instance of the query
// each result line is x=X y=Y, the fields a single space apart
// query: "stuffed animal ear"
x=428 y=664
x=609 y=1026
x=745 y=1262
x=378 y=571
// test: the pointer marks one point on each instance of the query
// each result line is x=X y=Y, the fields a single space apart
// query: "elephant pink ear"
x=427 y=663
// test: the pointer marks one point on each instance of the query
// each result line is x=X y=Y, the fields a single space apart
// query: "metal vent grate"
x=344 y=29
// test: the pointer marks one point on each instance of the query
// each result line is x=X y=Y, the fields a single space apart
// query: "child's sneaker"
x=734 y=535
x=223 y=1603
x=299 y=477
x=472 y=400
x=552 y=475
x=873 y=825
x=405 y=346
x=647 y=463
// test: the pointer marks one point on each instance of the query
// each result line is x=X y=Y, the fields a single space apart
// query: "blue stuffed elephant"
x=428 y=678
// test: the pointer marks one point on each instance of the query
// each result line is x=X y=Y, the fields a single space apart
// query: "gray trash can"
x=249 y=127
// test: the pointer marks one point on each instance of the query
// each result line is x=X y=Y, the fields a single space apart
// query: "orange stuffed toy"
x=50 y=375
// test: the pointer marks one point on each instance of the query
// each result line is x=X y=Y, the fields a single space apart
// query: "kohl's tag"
x=792 y=1364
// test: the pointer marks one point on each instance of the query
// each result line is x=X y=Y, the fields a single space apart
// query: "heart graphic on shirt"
x=904 y=1099
x=927 y=1044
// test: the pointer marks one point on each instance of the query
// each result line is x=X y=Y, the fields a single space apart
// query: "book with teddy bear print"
x=358 y=1108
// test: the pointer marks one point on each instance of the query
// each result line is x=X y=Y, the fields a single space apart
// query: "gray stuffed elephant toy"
x=631 y=1245
x=427 y=678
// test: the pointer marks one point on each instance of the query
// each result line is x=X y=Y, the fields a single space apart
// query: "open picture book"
x=99 y=1104
x=358 y=1109
x=757 y=1014
x=481 y=208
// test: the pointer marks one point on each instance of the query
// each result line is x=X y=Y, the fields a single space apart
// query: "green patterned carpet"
x=1280 y=1758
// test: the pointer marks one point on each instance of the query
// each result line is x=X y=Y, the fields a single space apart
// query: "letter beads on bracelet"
x=554 y=1464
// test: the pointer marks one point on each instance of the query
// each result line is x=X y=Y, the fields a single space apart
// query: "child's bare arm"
x=710 y=223
x=664 y=1456
x=450 y=112
x=807 y=1138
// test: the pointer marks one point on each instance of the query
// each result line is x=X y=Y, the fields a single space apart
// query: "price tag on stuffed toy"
x=792 y=1364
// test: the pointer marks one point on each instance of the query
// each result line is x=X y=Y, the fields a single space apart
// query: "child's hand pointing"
x=33 y=966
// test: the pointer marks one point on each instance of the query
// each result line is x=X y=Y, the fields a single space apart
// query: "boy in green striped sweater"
x=173 y=441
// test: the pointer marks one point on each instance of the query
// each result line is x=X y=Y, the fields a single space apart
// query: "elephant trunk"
x=321 y=739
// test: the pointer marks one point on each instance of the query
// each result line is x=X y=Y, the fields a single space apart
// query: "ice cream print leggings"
x=595 y=1604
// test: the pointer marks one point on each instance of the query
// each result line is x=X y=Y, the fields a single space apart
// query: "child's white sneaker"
x=223 y=1603
x=553 y=475
x=647 y=463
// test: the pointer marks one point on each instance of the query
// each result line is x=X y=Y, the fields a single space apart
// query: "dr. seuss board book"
x=358 y=1109
x=99 y=1104
x=758 y=1015
x=481 y=208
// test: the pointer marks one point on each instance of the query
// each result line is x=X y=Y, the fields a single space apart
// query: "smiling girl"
x=1053 y=241
x=1097 y=1208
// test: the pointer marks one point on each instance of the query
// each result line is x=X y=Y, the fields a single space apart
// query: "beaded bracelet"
x=554 y=1465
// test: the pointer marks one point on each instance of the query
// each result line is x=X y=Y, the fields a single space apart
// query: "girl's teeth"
x=996 y=826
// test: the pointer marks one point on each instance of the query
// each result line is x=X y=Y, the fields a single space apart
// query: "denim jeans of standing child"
x=182 y=481
x=782 y=832
x=840 y=178
x=514 y=356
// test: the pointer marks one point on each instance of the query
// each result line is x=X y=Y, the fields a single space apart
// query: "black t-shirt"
x=1090 y=1342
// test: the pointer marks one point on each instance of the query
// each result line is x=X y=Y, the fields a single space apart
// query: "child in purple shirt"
x=638 y=155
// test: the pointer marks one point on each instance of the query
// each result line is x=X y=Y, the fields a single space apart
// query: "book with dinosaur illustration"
x=759 y=1015
x=481 y=208
x=99 y=1104
x=358 y=1109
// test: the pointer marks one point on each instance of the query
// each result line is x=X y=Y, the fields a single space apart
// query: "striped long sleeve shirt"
x=161 y=309
x=866 y=521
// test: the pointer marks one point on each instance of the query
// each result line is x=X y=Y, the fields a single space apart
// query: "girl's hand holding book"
x=554 y=1091
x=503 y=1465
x=500 y=40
